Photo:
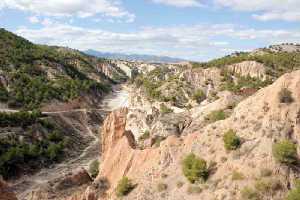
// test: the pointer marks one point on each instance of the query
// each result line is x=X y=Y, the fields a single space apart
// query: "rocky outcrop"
x=259 y=121
x=5 y=192
x=249 y=68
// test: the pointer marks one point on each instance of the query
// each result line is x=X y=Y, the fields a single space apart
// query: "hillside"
x=134 y=57
x=35 y=75
x=50 y=103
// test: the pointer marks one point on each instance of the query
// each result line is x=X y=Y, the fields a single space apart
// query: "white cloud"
x=34 y=19
x=191 y=42
x=288 y=10
x=180 y=3
x=68 y=8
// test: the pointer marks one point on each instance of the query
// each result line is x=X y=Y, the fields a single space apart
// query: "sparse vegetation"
x=94 y=168
x=231 y=140
x=216 y=115
x=124 y=187
x=285 y=96
x=285 y=152
x=194 y=168
x=262 y=189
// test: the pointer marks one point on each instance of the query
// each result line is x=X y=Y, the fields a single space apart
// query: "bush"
x=294 y=194
x=216 y=116
x=94 y=168
x=231 y=140
x=285 y=96
x=285 y=152
x=268 y=187
x=162 y=187
x=199 y=96
x=124 y=187
x=194 y=168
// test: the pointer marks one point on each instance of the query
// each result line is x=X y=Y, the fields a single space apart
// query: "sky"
x=197 y=30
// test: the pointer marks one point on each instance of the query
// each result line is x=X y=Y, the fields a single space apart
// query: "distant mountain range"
x=134 y=57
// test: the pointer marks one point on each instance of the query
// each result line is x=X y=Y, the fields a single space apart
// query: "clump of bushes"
x=231 y=140
x=124 y=187
x=194 y=168
x=164 y=109
x=199 y=96
x=285 y=152
x=94 y=168
x=216 y=115
x=285 y=96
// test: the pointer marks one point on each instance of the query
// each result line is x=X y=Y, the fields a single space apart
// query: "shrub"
x=124 y=187
x=285 y=152
x=94 y=168
x=216 y=116
x=164 y=109
x=194 y=189
x=199 y=96
x=285 y=96
x=294 y=194
x=162 y=187
x=231 y=140
x=237 y=176
x=144 y=136
x=194 y=168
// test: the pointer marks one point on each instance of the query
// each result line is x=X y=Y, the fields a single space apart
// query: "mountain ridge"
x=134 y=57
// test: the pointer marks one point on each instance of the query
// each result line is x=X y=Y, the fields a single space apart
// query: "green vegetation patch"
x=194 y=168
x=285 y=152
x=124 y=187
x=231 y=140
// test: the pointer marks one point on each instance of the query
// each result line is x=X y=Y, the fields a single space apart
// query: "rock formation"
x=259 y=120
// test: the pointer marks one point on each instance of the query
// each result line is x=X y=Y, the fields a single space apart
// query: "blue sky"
x=191 y=29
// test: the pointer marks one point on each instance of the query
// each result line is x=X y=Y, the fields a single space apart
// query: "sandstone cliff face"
x=5 y=192
x=259 y=120
x=249 y=68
